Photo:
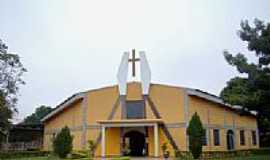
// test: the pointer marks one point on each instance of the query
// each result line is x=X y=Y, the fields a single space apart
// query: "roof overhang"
x=64 y=105
x=215 y=99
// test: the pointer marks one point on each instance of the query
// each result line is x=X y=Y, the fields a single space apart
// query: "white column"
x=103 y=141
x=156 y=139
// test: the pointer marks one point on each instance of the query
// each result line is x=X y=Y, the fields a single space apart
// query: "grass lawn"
x=44 y=158
x=259 y=157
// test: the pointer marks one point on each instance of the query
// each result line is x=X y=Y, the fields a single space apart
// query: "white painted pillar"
x=103 y=141
x=156 y=139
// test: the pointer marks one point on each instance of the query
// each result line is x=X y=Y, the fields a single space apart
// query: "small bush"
x=62 y=144
x=121 y=158
x=195 y=132
x=164 y=148
x=91 y=146
x=260 y=151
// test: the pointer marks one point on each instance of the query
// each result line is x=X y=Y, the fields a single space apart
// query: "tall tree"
x=11 y=71
x=252 y=90
x=39 y=113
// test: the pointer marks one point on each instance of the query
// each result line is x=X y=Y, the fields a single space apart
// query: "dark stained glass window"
x=216 y=137
x=204 y=138
x=135 y=109
x=242 y=137
x=254 y=138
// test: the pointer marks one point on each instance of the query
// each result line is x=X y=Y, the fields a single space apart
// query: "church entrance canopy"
x=127 y=123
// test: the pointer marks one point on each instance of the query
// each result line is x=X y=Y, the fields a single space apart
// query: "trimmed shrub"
x=91 y=146
x=62 y=144
x=195 y=132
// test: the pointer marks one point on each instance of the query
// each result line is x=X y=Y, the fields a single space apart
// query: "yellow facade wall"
x=170 y=104
x=134 y=92
x=71 y=117
x=47 y=142
x=113 y=141
x=100 y=103
x=77 y=140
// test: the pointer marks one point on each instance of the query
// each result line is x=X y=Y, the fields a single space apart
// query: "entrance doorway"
x=136 y=143
x=230 y=140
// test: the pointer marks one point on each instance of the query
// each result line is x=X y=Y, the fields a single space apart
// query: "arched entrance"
x=136 y=143
x=230 y=140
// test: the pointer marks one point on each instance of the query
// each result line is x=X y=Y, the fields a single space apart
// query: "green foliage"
x=91 y=146
x=21 y=154
x=5 y=115
x=195 y=132
x=40 y=112
x=164 y=148
x=62 y=144
x=126 y=150
x=121 y=158
x=11 y=71
x=178 y=155
x=252 y=90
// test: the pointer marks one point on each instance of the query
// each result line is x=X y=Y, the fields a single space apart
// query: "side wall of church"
x=70 y=117
x=215 y=116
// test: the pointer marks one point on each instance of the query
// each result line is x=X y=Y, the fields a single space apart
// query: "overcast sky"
x=71 y=46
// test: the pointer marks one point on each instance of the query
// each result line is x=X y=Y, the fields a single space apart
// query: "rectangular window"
x=254 y=138
x=216 y=137
x=135 y=109
x=242 y=138
x=204 y=139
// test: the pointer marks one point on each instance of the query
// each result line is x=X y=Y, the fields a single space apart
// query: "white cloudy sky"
x=75 y=45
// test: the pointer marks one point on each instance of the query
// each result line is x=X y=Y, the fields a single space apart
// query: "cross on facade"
x=133 y=60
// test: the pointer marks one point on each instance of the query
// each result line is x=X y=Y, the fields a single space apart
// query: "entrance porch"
x=134 y=135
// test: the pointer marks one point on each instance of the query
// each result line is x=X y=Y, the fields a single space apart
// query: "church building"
x=140 y=116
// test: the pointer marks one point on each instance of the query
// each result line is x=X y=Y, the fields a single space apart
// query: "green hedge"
x=21 y=154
